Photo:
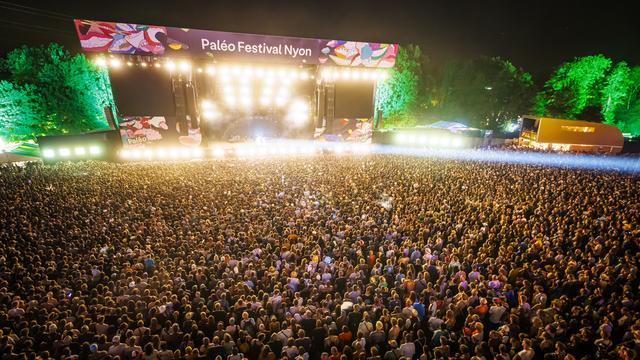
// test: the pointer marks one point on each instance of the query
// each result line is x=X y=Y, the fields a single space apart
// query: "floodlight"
x=170 y=65
x=184 y=152
x=218 y=152
x=445 y=141
x=184 y=65
x=64 y=152
x=457 y=142
x=401 y=138
x=116 y=63
x=265 y=100
x=147 y=153
x=101 y=62
x=196 y=152
x=48 y=153
x=136 y=154
x=126 y=154
x=206 y=104
x=143 y=64
x=161 y=153
x=129 y=63
x=211 y=70
x=79 y=151
x=304 y=75
x=338 y=149
x=157 y=65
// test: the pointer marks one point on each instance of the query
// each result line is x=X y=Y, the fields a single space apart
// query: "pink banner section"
x=136 y=39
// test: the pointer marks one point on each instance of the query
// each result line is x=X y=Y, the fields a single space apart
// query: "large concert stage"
x=189 y=87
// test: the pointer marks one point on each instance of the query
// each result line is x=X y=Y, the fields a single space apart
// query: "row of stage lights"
x=65 y=152
x=226 y=71
x=246 y=151
x=429 y=141
x=331 y=74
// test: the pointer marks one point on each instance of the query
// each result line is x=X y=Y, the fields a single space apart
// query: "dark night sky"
x=536 y=35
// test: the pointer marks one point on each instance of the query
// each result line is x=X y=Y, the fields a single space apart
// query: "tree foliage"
x=399 y=93
x=575 y=86
x=49 y=91
x=483 y=92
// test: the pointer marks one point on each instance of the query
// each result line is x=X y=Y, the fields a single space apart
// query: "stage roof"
x=153 y=40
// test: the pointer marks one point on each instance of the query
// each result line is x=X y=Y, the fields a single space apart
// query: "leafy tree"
x=70 y=91
x=627 y=112
x=615 y=90
x=575 y=86
x=399 y=93
x=484 y=92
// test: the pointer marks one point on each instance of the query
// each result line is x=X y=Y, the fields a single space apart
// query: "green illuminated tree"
x=483 y=92
x=397 y=95
x=627 y=112
x=574 y=87
x=50 y=91
x=615 y=90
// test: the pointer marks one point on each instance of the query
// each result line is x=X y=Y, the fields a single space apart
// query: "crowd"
x=332 y=257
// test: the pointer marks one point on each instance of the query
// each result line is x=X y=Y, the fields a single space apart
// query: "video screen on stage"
x=353 y=100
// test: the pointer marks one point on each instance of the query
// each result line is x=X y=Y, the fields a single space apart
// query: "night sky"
x=536 y=35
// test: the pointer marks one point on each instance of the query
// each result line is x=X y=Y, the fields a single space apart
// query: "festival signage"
x=136 y=39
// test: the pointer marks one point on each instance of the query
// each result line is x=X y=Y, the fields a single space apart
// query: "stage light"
x=235 y=70
x=383 y=75
x=196 y=152
x=304 y=75
x=184 y=66
x=422 y=140
x=211 y=70
x=267 y=90
x=48 y=153
x=401 y=138
x=282 y=73
x=157 y=65
x=457 y=142
x=136 y=154
x=273 y=150
x=326 y=74
x=433 y=140
x=206 y=104
x=228 y=90
x=64 y=152
x=116 y=63
x=125 y=154
x=161 y=153
x=338 y=149
x=129 y=63
x=260 y=72
x=218 y=152
x=143 y=64
x=170 y=65
x=411 y=139
x=79 y=151
x=247 y=71
x=199 y=70
x=184 y=152
x=246 y=101
x=101 y=62
x=147 y=153
x=346 y=74
x=357 y=75
x=265 y=100
x=445 y=141
x=245 y=90
x=230 y=100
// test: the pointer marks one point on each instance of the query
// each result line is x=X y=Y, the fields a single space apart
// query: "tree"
x=574 y=87
x=614 y=91
x=59 y=92
x=626 y=114
x=397 y=95
x=483 y=92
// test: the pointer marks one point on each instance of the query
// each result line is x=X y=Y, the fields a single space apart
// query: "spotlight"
x=218 y=152
x=445 y=141
x=401 y=138
x=211 y=70
x=433 y=141
x=235 y=71
x=224 y=70
x=411 y=139
x=101 y=62
x=196 y=152
x=422 y=140
x=184 y=66
x=260 y=72
x=157 y=65
x=147 y=153
x=457 y=142
x=383 y=75
x=79 y=151
x=143 y=64
x=206 y=104
x=136 y=154
x=170 y=65
x=265 y=101
x=48 y=153
x=174 y=153
x=184 y=152
x=338 y=149
x=125 y=154
x=116 y=63
x=161 y=153
x=280 y=101
x=64 y=152
x=304 y=75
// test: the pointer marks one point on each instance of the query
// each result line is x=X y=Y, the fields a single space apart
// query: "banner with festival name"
x=136 y=39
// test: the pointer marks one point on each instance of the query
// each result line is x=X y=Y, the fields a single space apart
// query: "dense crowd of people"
x=330 y=257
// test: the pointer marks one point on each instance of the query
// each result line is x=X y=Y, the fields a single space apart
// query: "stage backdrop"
x=136 y=39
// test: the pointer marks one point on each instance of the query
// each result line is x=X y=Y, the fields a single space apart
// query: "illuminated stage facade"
x=189 y=87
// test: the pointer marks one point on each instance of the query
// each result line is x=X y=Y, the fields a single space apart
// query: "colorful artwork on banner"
x=351 y=53
x=121 y=38
x=124 y=38
x=139 y=130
